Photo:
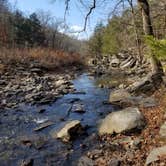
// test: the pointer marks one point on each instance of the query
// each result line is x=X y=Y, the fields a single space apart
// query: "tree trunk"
x=136 y=31
x=148 y=30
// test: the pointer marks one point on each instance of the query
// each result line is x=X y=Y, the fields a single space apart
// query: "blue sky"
x=75 y=16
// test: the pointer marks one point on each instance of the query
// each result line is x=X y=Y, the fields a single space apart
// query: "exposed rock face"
x=123 y=97
x=128 y=63
x=147 y=85
x=70 y=130
x=155 y=154
x=121 y=121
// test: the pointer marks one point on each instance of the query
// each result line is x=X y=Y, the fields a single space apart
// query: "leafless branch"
x=115 y=8
x=88 y=14
x=66 y=8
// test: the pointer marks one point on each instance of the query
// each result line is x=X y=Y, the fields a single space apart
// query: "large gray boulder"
x=155 y=155
x=70 y=130
x=121 y=121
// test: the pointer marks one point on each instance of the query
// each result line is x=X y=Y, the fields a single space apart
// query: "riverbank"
x=36 y=75
x=136 y=148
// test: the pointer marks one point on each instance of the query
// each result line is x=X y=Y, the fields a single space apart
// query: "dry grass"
x=45 y=57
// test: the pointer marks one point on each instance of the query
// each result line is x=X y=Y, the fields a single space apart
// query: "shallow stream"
x=19 y=141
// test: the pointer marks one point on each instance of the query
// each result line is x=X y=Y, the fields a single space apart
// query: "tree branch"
x=88 y=14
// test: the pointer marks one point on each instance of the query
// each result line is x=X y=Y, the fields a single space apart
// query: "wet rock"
x=34 y=140
x=69 y=131
x=85 y=161
x=41 y=110
x=155 y=155
x=27 y=162
x=43 y=126
x=79 y=93
x=119 y=95
x=79 y=108
x=122 y=121
x=42 y=120
x=74 y=100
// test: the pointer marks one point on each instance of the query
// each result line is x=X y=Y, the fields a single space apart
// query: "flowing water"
x=19 y=141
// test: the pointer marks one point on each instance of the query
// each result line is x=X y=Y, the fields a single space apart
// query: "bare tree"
x=135 y=30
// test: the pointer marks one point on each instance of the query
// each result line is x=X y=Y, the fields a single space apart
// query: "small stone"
x=41 y=110
x=79 y=108
x=27 y=162
x=155 y=154
x=43 y=126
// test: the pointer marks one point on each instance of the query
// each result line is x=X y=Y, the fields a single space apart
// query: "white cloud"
x=75 y=31
x=76 y=28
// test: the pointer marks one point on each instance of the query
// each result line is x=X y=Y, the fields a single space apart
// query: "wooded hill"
x=124 y=30
x=34 y=30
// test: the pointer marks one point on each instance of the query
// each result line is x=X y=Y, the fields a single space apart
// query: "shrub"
x=44 y=57
x=158 y=47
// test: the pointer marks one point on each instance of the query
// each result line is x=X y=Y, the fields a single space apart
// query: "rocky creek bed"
x=34 y=105
x=38 y=108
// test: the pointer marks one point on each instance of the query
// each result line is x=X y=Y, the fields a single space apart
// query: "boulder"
x=155 y=155
x=119 y=95
x=122 y=121
x=69 y=131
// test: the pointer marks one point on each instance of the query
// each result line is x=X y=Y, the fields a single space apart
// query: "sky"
x=75 y=16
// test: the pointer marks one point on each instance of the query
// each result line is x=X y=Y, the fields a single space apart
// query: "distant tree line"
x=36 y=30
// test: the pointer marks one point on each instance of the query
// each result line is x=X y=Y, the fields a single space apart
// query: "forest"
x=98 y=99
